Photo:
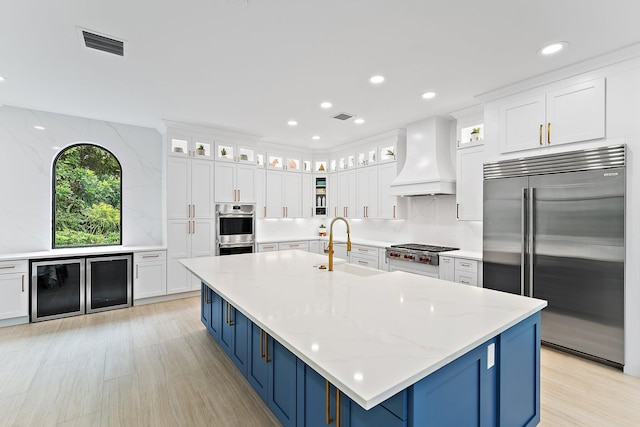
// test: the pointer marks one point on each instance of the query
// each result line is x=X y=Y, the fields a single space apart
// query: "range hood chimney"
x=428 y=167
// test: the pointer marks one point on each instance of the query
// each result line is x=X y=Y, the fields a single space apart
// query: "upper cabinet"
x=183 y=146
x=469 y=160
x=229 y=152
x=234 y=183
x=553 y=117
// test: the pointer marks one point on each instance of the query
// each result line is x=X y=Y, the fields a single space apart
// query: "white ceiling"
x=253 y=68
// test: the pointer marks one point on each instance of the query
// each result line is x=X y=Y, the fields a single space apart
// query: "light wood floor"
x=156 y=365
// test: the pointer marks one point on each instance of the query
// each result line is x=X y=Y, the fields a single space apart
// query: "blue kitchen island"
x=358 y=347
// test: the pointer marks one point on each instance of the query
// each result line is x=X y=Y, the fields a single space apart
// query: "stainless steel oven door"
x=235 y=224
x=234 y=249
x=415 y=268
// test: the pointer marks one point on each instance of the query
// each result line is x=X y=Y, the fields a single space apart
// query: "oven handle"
x=235 y=245
x=235 y=215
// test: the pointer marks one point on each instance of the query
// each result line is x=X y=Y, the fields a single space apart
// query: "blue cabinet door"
x=461 y=393
x=519 y=382
x=378 y=416
x=215 y=322
x=313 y=400
x=225 y=338
x=205 y=305
x=256 y=364
x=240 y=341
x=281 y=381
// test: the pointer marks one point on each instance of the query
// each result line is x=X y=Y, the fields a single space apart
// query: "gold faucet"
x=331 y=240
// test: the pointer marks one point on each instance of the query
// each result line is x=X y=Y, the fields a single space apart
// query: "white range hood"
x=428 y=167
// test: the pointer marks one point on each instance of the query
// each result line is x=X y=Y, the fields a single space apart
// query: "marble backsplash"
x=26 y=161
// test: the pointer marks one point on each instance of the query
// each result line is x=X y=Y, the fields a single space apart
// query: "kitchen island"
x=404 y=349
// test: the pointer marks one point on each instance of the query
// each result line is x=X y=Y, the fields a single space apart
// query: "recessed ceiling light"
x=39 y=127
x=316 y=137
x=376 y=80
x=1 y=79
x=326 y=104
x=358 y=121
x=292 y=123
x=428 y=95
x=553 y=48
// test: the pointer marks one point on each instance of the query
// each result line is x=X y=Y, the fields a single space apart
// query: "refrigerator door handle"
x=531 y=217
x=523 y=240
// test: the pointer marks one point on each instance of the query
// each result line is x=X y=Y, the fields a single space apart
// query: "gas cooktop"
x=415 y=252
x=423 y=248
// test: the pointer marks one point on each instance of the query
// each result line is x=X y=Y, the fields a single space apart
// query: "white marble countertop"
x=74 y=252
x=369 y=336
x=464 y=254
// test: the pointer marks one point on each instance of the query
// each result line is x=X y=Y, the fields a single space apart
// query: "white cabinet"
x=149 y=278
x=187 y=239
x=556 y=116
x=283 y=194
x=232 y=152
x=316 y=247
x=332 y=200
x=259 y=188
x=388 y=207
x=367 y=192
x=302 y=245
x=234 y=183
x=189 y=188
x=364 y=256
x=267 y=247
x=308 y=198
x=14 y=292
x=469 y=180
x=347 y=198
x=461 y=270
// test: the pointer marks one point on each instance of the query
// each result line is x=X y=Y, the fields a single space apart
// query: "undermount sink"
x=356 y=270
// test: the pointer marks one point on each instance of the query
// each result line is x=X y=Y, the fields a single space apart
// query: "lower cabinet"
x=496 y=383
x=14 y=292
x=150 y=274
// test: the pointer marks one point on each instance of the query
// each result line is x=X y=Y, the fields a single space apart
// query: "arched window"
x=87 y=197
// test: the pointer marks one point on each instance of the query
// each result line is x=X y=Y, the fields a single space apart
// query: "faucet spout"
x=330 y=248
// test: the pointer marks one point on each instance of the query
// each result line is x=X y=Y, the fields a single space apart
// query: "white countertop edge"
x=341 y=239
x=375 y=400
x=74 y=252
x=473 y=255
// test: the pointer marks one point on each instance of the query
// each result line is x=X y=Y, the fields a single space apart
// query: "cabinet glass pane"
x=275 y=162
x=333 y=165
x=471 y=134
x=361 y=159
x=245 y=155
x=260 y=160
x=387 y=153
x=203 y=149
x=179 y=146
x=371 y=157
x=351 y=161
x=306 y=166
x=322 y=166
x=225 y=152
x=342 y=163
x=293 y=164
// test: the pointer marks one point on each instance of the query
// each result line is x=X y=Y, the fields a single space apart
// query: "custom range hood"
x=428 y=167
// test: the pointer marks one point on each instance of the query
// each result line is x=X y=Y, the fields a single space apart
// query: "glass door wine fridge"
x=74 y=286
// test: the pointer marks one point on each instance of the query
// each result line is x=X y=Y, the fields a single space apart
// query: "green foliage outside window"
x=87 y=197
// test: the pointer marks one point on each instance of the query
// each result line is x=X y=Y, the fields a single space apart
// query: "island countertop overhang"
x=369 y=336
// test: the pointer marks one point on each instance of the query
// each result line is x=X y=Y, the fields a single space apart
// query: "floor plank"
x=156 y=365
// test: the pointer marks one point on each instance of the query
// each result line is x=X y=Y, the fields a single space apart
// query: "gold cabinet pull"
x=540 y=134
x=194 y=226
x=394 y=211
x=194 y=210
x=229 y=319
x=266 y=348
x=265 y=212
x=328 y=419
x=261 y=344
x=189 y=227
x=549 y=133
x=327 y=414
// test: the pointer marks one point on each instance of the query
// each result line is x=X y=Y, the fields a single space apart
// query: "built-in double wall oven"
x=235 y=229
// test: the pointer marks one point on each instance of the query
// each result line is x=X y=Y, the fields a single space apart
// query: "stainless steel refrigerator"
x=554 y=229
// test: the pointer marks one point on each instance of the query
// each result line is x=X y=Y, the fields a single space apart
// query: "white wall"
x=26 y=160
x=429 y=220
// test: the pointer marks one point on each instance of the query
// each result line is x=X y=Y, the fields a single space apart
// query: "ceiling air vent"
x=105 y=44
x=343 y=116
